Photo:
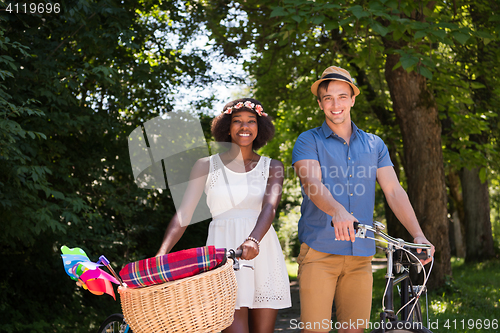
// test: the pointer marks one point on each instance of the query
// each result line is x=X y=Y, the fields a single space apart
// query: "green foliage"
x=287 y=232
x=16 y=161
x=468 y=96
x=74 y=85
x=72 y=88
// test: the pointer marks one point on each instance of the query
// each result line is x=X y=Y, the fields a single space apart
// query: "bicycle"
x=116 y=322
x=401 y=257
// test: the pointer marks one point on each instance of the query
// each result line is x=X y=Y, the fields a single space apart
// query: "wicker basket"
x=202 y=303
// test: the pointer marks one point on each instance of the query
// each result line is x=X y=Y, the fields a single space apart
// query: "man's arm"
x=400 y=204
x=309 y=173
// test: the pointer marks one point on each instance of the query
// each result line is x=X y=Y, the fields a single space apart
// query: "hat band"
x=336 y=76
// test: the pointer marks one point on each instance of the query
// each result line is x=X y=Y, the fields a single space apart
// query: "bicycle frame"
x=405 y=282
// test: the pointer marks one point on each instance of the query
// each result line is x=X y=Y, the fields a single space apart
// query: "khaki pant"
x=325 y=277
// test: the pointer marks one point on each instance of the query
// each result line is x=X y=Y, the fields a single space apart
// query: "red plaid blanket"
x=172 y=266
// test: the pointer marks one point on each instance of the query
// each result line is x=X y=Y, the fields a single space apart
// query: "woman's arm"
x=272 y=198
x=172 y=235
x=182 y=217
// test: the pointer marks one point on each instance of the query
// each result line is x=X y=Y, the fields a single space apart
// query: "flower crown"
x=249 y=105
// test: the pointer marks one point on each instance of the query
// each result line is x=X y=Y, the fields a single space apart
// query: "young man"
x=338 y=166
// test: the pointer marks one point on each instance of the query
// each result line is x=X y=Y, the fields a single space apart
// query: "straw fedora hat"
x=335 y=73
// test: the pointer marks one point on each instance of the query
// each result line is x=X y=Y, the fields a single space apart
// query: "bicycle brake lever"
x=361 y=232
x=236 y=266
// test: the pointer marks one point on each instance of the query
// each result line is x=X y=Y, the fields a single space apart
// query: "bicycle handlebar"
x=400 y=252
x=234 y=253
x=377 y=228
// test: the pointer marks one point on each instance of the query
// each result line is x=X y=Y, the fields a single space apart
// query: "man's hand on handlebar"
x=423 y=240
x=343 y=225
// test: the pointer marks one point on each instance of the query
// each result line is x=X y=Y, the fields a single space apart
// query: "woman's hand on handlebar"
x=250 y=249
x=423 y=240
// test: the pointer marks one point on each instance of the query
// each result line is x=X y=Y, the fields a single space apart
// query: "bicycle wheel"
x=416 y=314
x=114 y=324
x=402 y=327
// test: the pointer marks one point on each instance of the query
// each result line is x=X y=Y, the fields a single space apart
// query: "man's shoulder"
x=313 y=131
x=371 y=137
x=306 y=144
x=310 y=133
x=371 y=142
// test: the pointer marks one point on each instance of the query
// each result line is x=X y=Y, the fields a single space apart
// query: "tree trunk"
x=478 y=236
x=457 y=212
x=417 y=115
x=458 y=237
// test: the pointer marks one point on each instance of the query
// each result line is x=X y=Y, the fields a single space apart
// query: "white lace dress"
x=235 y=210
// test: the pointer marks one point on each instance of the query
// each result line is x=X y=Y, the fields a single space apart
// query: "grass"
x=468 y=302
x=471 y=298
x=292 y=268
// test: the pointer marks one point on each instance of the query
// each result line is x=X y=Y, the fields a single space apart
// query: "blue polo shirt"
x=349 y=172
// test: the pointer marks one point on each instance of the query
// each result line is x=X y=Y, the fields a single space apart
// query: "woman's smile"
x=244 y=127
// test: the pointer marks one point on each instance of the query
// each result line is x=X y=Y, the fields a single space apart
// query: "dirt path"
x=285 y=316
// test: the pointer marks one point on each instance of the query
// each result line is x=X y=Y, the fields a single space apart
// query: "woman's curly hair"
x=222 y=123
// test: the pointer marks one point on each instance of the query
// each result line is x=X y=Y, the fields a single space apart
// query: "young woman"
x=243 y=191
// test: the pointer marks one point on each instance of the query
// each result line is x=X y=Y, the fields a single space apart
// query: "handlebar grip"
x=230 y=253
x=354 y=224
x=422 y=255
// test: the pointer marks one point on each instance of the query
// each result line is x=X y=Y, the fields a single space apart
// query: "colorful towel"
x=172 y=266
